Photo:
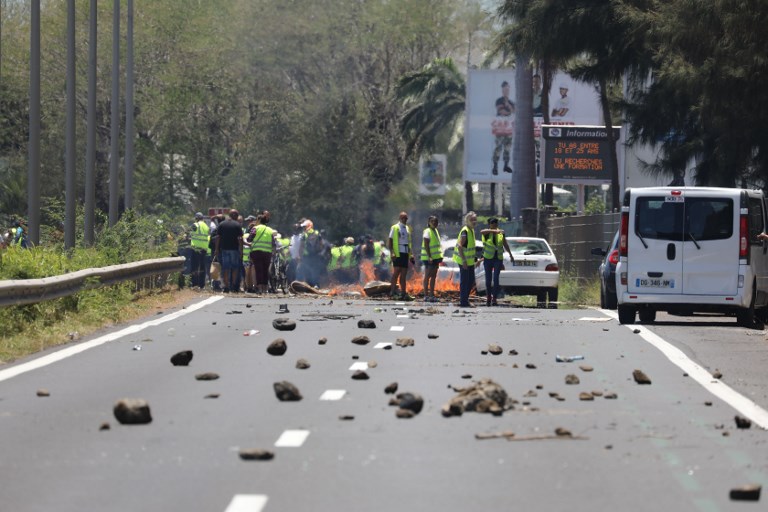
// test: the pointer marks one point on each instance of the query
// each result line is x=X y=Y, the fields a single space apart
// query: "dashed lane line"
x=333 y=394
x=64 y=353
x=292 y=438
x=247 y=503
x=397 y=328
x=360 y=365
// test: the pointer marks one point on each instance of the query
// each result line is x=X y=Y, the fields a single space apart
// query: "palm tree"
x=594 y=40
x=434 y=99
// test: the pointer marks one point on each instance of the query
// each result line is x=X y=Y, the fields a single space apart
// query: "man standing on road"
x=431 y=257
x=400 y=246
x=494 y=244
x=199 y=242
x=229 y=249
x=464 y=255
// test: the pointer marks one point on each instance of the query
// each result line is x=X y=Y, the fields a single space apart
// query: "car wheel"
x=647 y=316
x=552 y=296
x=626 y=315
x=602 y=299
x=610 y=300
x=541 y=299
x=746 y=317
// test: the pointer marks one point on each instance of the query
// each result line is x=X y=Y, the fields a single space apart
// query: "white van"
x=690 y=249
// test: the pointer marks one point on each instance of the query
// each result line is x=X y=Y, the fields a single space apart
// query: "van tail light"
x=552 y=267
x=743 y=237
x=613 y=258
x=624 y=233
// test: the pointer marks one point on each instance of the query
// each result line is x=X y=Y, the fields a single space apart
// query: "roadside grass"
x=36 y=327
x=573 y=293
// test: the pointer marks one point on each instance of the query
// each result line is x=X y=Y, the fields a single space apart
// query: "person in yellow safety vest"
x=464 y=255
x=494 y=244
x=431 y=257
x=199 y=241
x=348 y=261
x=333 y=262
x=250 y=274
x=400 y=245
x=262 y=239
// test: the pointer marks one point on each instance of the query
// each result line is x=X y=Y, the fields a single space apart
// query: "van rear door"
x=655 y=243
x=710 y=252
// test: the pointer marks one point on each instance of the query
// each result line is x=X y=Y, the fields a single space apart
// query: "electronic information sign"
x=576 y=154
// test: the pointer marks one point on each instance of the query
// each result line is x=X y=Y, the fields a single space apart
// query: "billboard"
x=490 y=118
x=432 y=175
x=578 y=154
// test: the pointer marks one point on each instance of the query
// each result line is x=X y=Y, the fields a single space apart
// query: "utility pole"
x=114 y=158
x=129 y=159
x=33 y=172
x=90 y=151
x=69 y=165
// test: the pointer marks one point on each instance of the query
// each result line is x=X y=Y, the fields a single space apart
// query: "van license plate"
x=655 y=283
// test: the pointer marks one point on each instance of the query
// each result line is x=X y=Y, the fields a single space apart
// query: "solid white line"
x=247 y=503
x=82 y=347
x=333 y=394
x=292 y=438
x=724 y=392
x=360 y=365
x=397 y=328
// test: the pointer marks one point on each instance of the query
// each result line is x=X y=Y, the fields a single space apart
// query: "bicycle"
x=277 y=272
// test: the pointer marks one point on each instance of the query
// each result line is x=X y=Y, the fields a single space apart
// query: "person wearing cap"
x=431 y=257
x=563 y=104
x=199 y=238
x=348 y=261
x=311 y=254
x=400 y=245
x=494 y=244
x=229 y=250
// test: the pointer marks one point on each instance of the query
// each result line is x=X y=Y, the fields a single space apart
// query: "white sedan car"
x=534 y=272
x=449 y=269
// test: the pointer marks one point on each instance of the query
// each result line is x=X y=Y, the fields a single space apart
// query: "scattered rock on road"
x=132 y=411
x=361 y=340
x=360 y=375
x=586 y=368
x=283 y=324
x=302 y=364
x=717 y=374
x=277 y=347
x=391 y=388
x=181 y=358
x=322 y=341
x=404 y=413
x=43 y=392
x=477 y=397
x=640 y=377
x=256 y=454
x=410 y=401
x=366 y=324
x=742 y=422
x=405 y=342
x=286 y=392
x=207 y=376
x=586 y=396
x=746 y=493
x=494 y=349
x=571 y=379
x=432 y=336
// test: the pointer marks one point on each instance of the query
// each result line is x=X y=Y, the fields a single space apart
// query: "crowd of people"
x=245 y=254
x=15 y=236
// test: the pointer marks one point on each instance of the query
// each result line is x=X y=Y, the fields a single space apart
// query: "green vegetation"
x=573 y=293
x=33 y=327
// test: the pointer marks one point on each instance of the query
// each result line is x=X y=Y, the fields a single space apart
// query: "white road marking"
x=383 y=344
x=247 y=503
x=359 y=365
x=723 y=391
x=333 y=394
x=82 y=347
x=594 y=319
x=292 y=438
x=397 y=328
x=403 y=316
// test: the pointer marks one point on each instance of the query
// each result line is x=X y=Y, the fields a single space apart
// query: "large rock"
x=283 y=324
x=277 y=347
x=132 y=411
x=287 y=392
x=484 y=395
x=366 y=324
x=181 y=358
x=361 y=340
x=410 y=401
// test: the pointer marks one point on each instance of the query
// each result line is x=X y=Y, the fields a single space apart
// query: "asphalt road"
x=671 y=445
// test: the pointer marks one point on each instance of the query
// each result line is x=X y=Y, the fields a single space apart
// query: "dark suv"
x=607 y=272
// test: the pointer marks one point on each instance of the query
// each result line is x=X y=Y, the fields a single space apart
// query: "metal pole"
x=70 y=180
x=129 y=109
x=33 y=174
x=114 y=157
x=90 y=152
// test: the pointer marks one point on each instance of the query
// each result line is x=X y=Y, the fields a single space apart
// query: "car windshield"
x=700 y=218
x=528 y=246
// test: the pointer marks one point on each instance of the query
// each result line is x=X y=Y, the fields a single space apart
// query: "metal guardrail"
x=28 y=291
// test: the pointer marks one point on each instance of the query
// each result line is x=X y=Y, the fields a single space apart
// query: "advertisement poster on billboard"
x=432 y=175
x=491 y=123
